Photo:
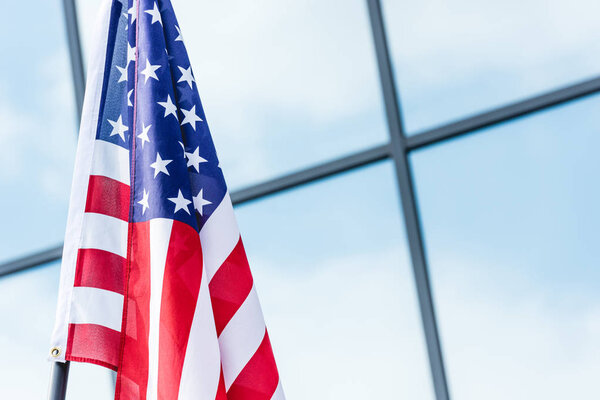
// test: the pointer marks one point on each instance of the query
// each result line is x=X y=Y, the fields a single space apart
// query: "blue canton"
x=176 y=171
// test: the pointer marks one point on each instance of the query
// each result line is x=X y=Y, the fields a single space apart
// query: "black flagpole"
x=59 y=375
x=58 y=381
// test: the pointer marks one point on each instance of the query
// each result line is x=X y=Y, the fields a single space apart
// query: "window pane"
x=285 y=85
x=456 y=58
x=37 y=133
x=332 y=271
x=511 y=224
x=27 y=308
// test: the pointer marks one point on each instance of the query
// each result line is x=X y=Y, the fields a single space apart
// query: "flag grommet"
x=55 y=352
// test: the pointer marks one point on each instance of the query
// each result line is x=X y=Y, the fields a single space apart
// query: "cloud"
x=468 y=34
x=507 y=334
x=15 y=126
x=349 y=329
x=456 y=58
x=58 y=141
x=38 y=138
x=41 y=138
x=292 y=54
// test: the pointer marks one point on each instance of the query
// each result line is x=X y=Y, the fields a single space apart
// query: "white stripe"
x=202 y=364
x=219 y=236
x=111 y=161
x=81 y=177
x=160 y=236
x=241 y=337
x=104 y=232
x=278 y=395
x=97 y=306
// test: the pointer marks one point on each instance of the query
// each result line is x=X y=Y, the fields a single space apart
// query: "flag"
x=155 y=283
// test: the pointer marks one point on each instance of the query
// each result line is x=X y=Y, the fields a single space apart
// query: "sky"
x=511 y=223
x=37 y=133
x=456 y=58
x=509 y=214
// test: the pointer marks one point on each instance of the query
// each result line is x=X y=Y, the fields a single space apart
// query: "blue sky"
x=509 y=214
x=38 y=129
x=511 y=223
x=455 y=58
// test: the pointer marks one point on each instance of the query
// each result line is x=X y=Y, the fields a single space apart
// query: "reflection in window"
x=37 y=129
x=511 y=225
x=455 y=58
x=332 y=271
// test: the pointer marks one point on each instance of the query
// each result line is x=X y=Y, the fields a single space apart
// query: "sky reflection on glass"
x=455 y=58
x=511 y=222
x=37 y=129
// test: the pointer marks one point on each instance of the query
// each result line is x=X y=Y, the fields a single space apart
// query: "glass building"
x=416 y=184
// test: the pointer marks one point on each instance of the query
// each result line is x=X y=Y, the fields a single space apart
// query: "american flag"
x=155 y=283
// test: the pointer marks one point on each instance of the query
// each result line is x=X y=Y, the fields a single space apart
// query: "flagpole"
x=59 y=376
x=58 y=381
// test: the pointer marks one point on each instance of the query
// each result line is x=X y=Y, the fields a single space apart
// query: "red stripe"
x=181 y=284
x=100 y=269
x=230 y=286
x=221 y=392
x=259 y=378
x=108 y=196
x=95 y=344
x=132 y=380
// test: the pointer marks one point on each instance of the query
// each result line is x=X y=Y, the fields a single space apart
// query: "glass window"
x=456 y=58
x=37 y=129
x=285 y=85
x=511 y=225
x=27 y=309
x=331 y=268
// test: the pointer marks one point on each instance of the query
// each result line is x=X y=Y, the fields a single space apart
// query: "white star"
x=123 y=72
x=200 y=202
x=130 y=53
x=190 y=117
x=118 y=127
x=155 y=14
x=181 y=203
x=186 y=75
x=160 y=165
x=169 y=106
x=129 y=103
x=194 y=159
x=144 y=134
x=149 y=71
x=144 y=202
x=179 y=38
x=133 y=11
